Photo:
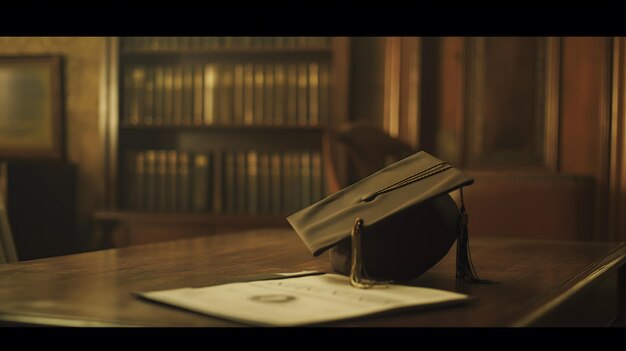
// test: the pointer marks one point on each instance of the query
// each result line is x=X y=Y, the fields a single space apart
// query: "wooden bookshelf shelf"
x=283 y=53
x=225 y=127
x=223 y=132
x=186 y=218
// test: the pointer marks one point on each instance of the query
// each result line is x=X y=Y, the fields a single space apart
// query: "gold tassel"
x=464 y=268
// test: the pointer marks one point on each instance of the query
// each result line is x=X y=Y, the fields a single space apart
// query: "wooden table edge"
x=46 y=320
x=592 y=274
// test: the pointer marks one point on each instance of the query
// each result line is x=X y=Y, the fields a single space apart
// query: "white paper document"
x=299 y=301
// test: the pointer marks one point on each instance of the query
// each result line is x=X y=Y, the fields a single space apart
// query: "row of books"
x=228 y=94
x=133 y=44
x=231 y=182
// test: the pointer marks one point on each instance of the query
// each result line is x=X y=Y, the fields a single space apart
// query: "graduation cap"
x=393 y=225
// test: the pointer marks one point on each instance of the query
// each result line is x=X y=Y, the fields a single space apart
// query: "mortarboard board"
x=393 y=225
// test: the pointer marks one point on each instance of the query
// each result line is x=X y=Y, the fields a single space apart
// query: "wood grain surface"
x=534 y=279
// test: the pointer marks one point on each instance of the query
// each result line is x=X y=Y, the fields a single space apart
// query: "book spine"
x=313 y=94
x=305 y=179
x=174 y=43
x=303 y=107
x=324 y=91
x=158 y=95
x=156 y=44
x=265 y=195
x=301 y=42
x=210 y=80
x=183 y=182
x=217 y=194
x=286 y=183
x=128 y=98
x=165 y=43
x=292 y=94
x=258 y=94
x=279 y=42
x=296 y=188
x=229 y=182
x=279 y=94
x=137 y=102
x=177 y=92
x=276 y=181
x=161 y=181
x=210 y=180
x=316 y=177
x=246 y=42
x=183 y=43
x=129 y=186
x=187 y=112
x=141 y=44
x=172 y=181
x=290 y=42
x=168 y=95
x=267 y=42
x=241 y=186
x=139 y=181
x=212 y=43
x=238 y=94
x=200 y=188
x=255 y=42
x=125 y=44
x=227 y=42
x=253 y=182
x=148 y=109
x=323 y=184
x=194 y=43
x=268 y=94
x=248 y=94
x=226 y=90
x=198 y=85
x=150 y=183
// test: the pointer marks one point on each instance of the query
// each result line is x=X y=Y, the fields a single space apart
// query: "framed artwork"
x=31 y=121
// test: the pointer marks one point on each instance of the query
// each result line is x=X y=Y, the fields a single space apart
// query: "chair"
x=8 y=252
x=510 y=203
x=368 y=148
x=531 y=205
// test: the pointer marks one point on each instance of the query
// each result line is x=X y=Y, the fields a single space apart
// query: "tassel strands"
x=464 y=268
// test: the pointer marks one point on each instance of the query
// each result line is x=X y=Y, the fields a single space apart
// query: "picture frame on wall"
x=31 y=109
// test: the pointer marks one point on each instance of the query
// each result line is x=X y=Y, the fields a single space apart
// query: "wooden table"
x=541 y=283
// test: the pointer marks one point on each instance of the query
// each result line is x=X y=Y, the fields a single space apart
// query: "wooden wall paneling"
x=340 y=92
x=552 y=103
x=510 y=119
x=82 y=60
x=400 y=101
x=391 y=102
x=367 y=79
x=402 y=85
x=584 y=144
x=410 y=87
x=340 y=89
x=443 y=98
x=617 y=176
x=109 y=117
x=537 y=205
x=577 y=131
x=386 y=84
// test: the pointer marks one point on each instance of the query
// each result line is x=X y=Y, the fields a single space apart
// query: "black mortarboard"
x=407 y=221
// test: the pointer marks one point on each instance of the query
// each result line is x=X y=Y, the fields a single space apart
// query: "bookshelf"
x=210 y=134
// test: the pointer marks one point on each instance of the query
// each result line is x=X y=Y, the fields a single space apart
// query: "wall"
x=367 y=83
x=386 y=85
x=534 y=116
x=82 y=69
x=585 y=116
